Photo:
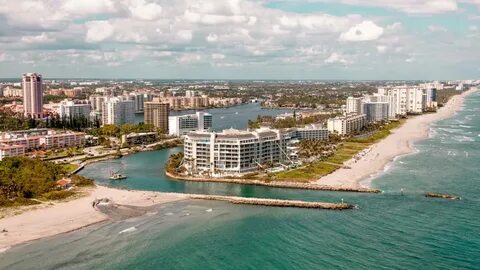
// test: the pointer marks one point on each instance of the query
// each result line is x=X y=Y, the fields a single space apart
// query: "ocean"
x=387 y=231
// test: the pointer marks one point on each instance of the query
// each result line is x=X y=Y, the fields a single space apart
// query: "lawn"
x=344 y=152
x=69 y=167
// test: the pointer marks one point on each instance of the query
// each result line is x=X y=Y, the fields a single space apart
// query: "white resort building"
x=232 y=151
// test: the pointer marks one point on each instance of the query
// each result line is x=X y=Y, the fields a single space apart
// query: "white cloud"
x=473 y=28
x=337 y=58
x=218 y=56
x=145 y=11
x=88 y=7
x=408 y=6
x=436 y=28
x=189 y=58
x=212 y=37
x=364 y=31
x=98 y=31
x=382 y=48
x=42 y=38
x=185 y=35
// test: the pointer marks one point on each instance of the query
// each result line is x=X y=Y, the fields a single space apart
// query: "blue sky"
x=241 y=39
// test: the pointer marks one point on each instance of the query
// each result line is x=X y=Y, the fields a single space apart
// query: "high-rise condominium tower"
x=156 y=113
x=32 y=95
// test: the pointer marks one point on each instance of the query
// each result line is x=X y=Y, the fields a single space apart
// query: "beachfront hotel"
x=180 y=125
x=233 y=152
x=32 y=95
x=346 y=124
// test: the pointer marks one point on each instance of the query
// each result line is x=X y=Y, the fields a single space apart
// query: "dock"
x=275 y=202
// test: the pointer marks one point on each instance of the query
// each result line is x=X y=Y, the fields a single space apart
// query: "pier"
x=275 y=202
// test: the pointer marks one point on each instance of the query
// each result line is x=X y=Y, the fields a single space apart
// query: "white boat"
x=117 y=176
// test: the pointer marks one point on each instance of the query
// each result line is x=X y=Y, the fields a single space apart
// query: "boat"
x=117 y=176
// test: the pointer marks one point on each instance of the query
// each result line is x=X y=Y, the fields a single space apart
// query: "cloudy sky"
x=241 y=39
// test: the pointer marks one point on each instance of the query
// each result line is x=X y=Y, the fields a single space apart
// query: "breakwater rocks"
x=442 y=196
x=277 y=184
x=275 y=202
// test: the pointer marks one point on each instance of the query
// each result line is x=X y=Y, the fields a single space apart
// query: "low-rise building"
x=42 y=139
x=139 y=138
x=312 y=132
x=11 y=150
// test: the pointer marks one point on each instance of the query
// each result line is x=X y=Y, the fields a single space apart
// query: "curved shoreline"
x=401 y=142
x=275 y=184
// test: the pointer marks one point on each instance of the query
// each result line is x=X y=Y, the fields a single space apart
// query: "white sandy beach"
x=400 y=142
x=49 y=220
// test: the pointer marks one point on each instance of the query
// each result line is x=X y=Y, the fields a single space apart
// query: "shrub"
x=57 y=194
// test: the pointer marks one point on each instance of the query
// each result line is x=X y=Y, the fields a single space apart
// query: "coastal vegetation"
x=25 y=180
x=288 y=122
x=344 y=151
x=174 y=162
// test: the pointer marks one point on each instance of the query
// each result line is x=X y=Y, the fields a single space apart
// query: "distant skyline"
x=241 y=39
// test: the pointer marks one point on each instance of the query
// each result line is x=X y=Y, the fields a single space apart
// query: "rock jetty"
x=275 y=202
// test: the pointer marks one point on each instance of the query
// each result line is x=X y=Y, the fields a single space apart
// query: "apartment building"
x=232 y=152
x=117 y=111
x=346 y=124
x=156 y=113
x=182 y=124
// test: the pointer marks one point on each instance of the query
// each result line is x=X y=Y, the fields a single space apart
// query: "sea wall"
x=277 y=184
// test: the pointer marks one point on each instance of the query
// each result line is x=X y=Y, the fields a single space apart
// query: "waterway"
x=387 y=231
x=231 y=117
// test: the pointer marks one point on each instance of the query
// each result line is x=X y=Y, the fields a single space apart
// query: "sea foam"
x=131 y=229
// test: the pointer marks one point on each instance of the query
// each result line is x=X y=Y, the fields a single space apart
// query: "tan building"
x=157 y=113
x=32 y=95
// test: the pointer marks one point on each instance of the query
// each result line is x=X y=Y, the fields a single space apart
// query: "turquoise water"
x=388 y=231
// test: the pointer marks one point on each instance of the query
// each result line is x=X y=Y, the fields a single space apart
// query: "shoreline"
x=275 y=184
x=53 y=218
x=399 y=143
x=59 y=217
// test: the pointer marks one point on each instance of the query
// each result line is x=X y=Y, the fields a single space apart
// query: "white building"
x=312 y=132
x=97 y=103
x=233 y=152
x=346 y=124
x=117 y=111
x=405 y=99
x=182 y=124
x=354 y=105
x=375 y=111
x=33 y=139
x=11 y=150
x=74 y=109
